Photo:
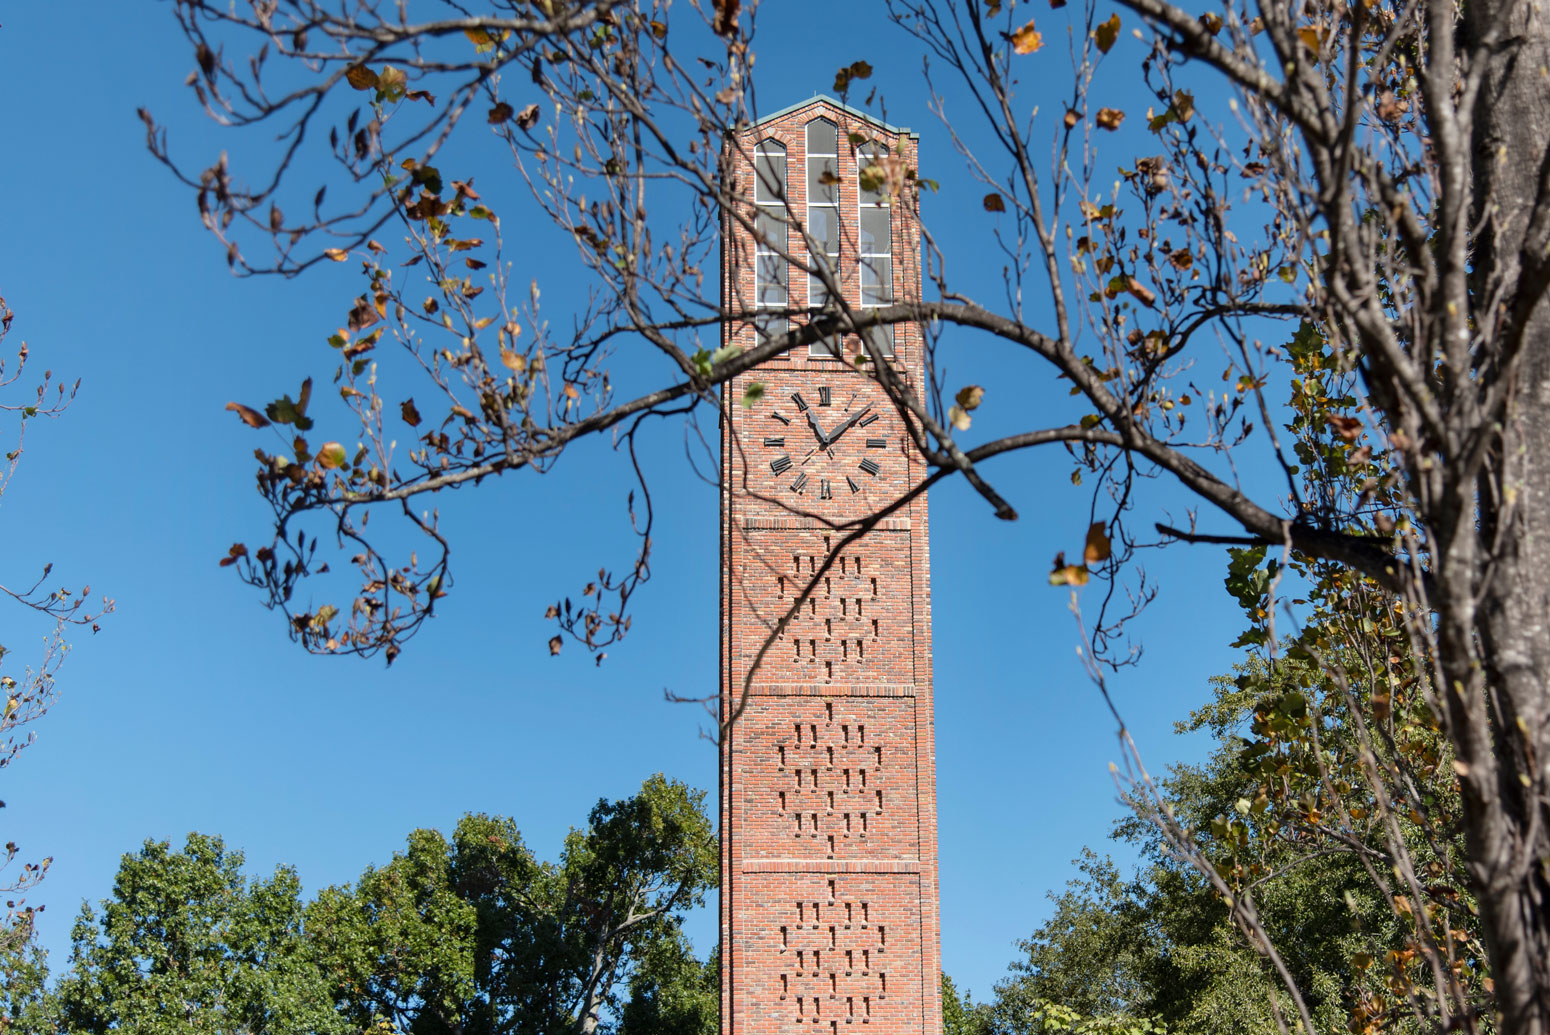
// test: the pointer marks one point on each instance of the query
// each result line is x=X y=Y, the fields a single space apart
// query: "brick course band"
x=760 y=523
x=831 y=866
x=806 y=690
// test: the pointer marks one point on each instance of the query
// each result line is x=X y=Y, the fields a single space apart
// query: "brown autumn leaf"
x=527 y=118
x=555 y=643
x=1211 y=22
x=361 y=77
x=237 y=550
x=409 y=412
x=726 y=25
x=1027 y=39
x=500 y=113
x=1072 y=117
x=1348 y=428
x=1068 y=574
x=1106 y=33
x=658 y=29
x=1143 y=294
x=1109 y=118
x=1098 y=547
x=337 y=254
x=994 y=203
x=332 y=455
x=1181 y=259
x=970 y=397
x=251 y=417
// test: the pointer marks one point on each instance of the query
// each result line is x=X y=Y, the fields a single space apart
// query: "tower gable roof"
x=825 y=99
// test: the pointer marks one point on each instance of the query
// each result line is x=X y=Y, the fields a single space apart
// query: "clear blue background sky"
x=191 y=711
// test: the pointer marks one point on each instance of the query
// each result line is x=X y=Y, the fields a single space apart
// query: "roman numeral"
x=852 y=483
x=824 y=492
x=776 y=440
x=780 y=464
x=869 y=418
x=823 y=395
x=871 y=443
x=781 y=417
x=800 y=483
x=801 y=403
x=871 y=466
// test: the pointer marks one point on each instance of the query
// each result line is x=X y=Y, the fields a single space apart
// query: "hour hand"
x=823 y=440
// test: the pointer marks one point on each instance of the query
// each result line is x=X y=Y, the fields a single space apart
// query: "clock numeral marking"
x=780 y=464
x=824 y=492
x=869 y=418
x=852 y=483
x=801 y=482
x=871 y=443
x=823 y=396
x=801 y=403
x=871 y=466
x=780 y=417
x=775 y=440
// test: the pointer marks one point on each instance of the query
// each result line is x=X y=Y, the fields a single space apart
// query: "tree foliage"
x=1324 y=262
x=467 y=934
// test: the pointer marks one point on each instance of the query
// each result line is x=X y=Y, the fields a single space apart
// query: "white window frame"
x=866 y=154
x=817 y=293
x=767 y=252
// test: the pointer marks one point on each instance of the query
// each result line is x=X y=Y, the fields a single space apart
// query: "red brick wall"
x=829 y=914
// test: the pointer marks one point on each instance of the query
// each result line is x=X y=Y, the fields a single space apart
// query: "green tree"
x=961 y=1015
x=474 y=934
x=186 y=944
x=672 y=993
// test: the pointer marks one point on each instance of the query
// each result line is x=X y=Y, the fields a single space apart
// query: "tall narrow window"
x=823 y=214
x=770 y=246
x=875 y=240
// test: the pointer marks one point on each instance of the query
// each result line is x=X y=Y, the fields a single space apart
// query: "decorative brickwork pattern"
x=829 y=902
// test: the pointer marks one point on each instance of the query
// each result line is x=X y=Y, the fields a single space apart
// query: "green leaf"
x=752 y=394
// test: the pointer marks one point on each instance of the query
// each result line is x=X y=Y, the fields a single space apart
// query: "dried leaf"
x=332 y=455
x=1106 y=33
x=994 y=203
x=500 y=113
x=555 y=643
x=337 y=254
x=958 y=417
x=527 y=118
x=1098 y=547
x=251 y=417
x=1109 y=118
x=361 y=77
x=970 y=397
x=726 y=25
x=1027 y=39
x=409 y=412
x=1348 y=428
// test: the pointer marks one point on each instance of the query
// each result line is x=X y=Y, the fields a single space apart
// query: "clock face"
x=823 y=444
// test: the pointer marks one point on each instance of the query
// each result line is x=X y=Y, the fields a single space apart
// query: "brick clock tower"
x=829 y=902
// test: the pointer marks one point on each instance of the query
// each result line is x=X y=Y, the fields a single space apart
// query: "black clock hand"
x=823 y=440
x=834 y=436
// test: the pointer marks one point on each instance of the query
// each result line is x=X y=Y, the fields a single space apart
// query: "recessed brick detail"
x=829 y=894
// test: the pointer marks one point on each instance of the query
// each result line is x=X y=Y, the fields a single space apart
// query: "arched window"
x=770 y=245
x=874 y=238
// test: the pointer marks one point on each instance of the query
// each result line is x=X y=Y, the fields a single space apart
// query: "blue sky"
x=191 y=711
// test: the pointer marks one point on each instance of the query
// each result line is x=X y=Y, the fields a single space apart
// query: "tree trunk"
x=1504 y=621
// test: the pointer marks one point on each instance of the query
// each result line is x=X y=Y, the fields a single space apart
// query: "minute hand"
x=834 y=436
